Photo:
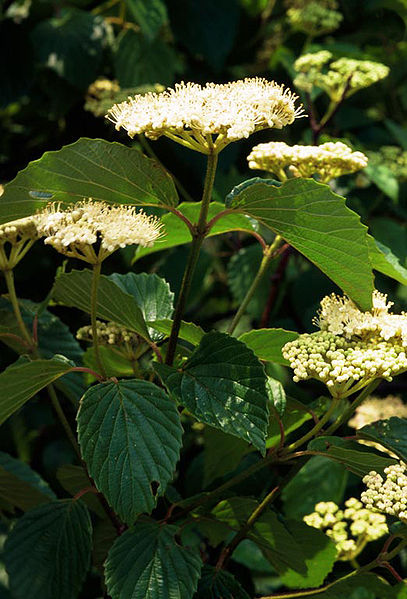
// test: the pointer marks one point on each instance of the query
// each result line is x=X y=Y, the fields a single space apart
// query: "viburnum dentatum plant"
x=187 y=453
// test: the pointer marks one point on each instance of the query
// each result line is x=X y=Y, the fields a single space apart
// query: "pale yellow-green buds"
x=16 y=238
x=387 y=495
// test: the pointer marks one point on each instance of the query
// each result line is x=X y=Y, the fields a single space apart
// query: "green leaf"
x=398 y=132
x=21 y=381
x=391 y=434
x=320 y=555
x=95 y=168
x=20 y=486
x=223 y=453
x=217 y=583
x=130 y=436
x=295 y=415
x=73 y=479
x=149 y=14
x=115 y=363
x=224 y=385
x=177 y=232
x=384 y=179
x=74 y=289
x=355 y=587
x=71 y=45
x=318 y=224
x=267 y=343
x=47 y=553
x=319 y=479
x=383 y=260
x=188 y=332
x=146 y=561
x=355 y=457
x=139 y=61
x=152 y=294
x=277 y=395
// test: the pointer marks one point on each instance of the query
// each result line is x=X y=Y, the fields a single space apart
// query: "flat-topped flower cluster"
x=109 y=333
x=387 y=495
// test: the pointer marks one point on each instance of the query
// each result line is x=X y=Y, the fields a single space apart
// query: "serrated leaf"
x=21 y=486
x=149 y=14
x=355 y=457
x=224 y=385
x=267 y=343
x=177 y=232
x=223 y=453
x=188 y=331
x=391 y=434
x=320 y=555
x=21 y=381
x=74 y=289
x=73 y=479
x=383 y=260
x=152 y=294
x=102 y=170
x=217 y=583
x=130 y=437
x=318 y=224
x=47 y=553
x=146 y=561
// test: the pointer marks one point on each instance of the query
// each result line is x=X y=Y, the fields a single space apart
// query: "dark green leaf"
x=130 y=437
x=95 y=168
x=149 y=14
x=115 y=363
x=355 y=457
x=21 y=381
x=177 y=232
x=73 y=479
x=277 y=395
x=295 y=414
x=188 y=332
x=391 y=434
x=48 y=551
x=384 y=179
x=383 y=260
x=217 y=583
x=147 y=562
x=140 y=61
x=398 y=132
x=267 y=343
x=152 y=294
x=74 y=289
x=320 y=555
x=224 y=385
x=317 y=223
x=20 y=486
x=223 y=453
x=355 y=587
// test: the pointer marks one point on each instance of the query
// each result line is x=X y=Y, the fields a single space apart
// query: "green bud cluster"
x=109 y=333
x=393 y=158
x=350 y=529
x=314 y=18
x=16 y=238
x=338 y=78
x=390 y=495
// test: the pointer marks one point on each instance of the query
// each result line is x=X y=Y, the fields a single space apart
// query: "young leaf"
x=21 y=381
x=318 y=224
x=224 y=385
x=74 y=289
x=391 y=433
x=177 y=232
x=130 y=436
x=217 y=583
x=267 y=343
x=384 y=261
x=147 y=561
x=47 y=553
x=93 y=168
x=20 y=486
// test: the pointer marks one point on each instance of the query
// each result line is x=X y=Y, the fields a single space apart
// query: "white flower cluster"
x=390 y=495
x=109 y=333
x=340 y=316
x=314 y=18
x=74 y=231
x=350 y=529
x=378 y=408
x=339 y=78
x=191 y=114
x=327 y=161
x=16 y=238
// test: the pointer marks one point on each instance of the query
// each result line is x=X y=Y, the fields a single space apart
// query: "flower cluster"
x=393 y=158
x=16 y=238
x=378 y=408
x=327 y=161
x=191 y=114
x=314 y=18
x=338 y=78
x=109 y=333
x=75 y=231
x=350 y=529
x=390 y=495
x=352 y=348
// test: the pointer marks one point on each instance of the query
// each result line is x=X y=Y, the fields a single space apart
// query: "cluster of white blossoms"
x=314 y=18
x=390 y=495
x=378 y=408
x=327 y=161
x=338 y=78
x=16 y=238
x=352 y=348
x=350 y=529
x=191 y=114
x=109 y=333
x=75 y=230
